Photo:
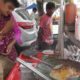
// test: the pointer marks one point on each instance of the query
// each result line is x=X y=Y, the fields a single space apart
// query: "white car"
x=28 y=27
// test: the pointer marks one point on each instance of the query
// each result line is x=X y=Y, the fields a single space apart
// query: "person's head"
x=34 y=10
x=50 y=7
x=7 y=6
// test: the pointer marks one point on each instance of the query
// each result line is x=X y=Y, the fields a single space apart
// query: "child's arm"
x=7 y=28
x=16 y=36
x=10 y=46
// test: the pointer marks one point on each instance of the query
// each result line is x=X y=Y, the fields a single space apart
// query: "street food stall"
x=63 y=64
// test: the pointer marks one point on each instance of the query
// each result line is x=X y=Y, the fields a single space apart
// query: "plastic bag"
x=15 y=73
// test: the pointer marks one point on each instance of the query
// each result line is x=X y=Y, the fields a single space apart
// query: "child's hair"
x=14 y=2
x=50 y=5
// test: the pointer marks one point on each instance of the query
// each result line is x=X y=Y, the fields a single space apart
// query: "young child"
x=45 y=39
x=8 y=29
x=9 y=34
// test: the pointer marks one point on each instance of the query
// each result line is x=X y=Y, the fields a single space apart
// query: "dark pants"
x=43 y=45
